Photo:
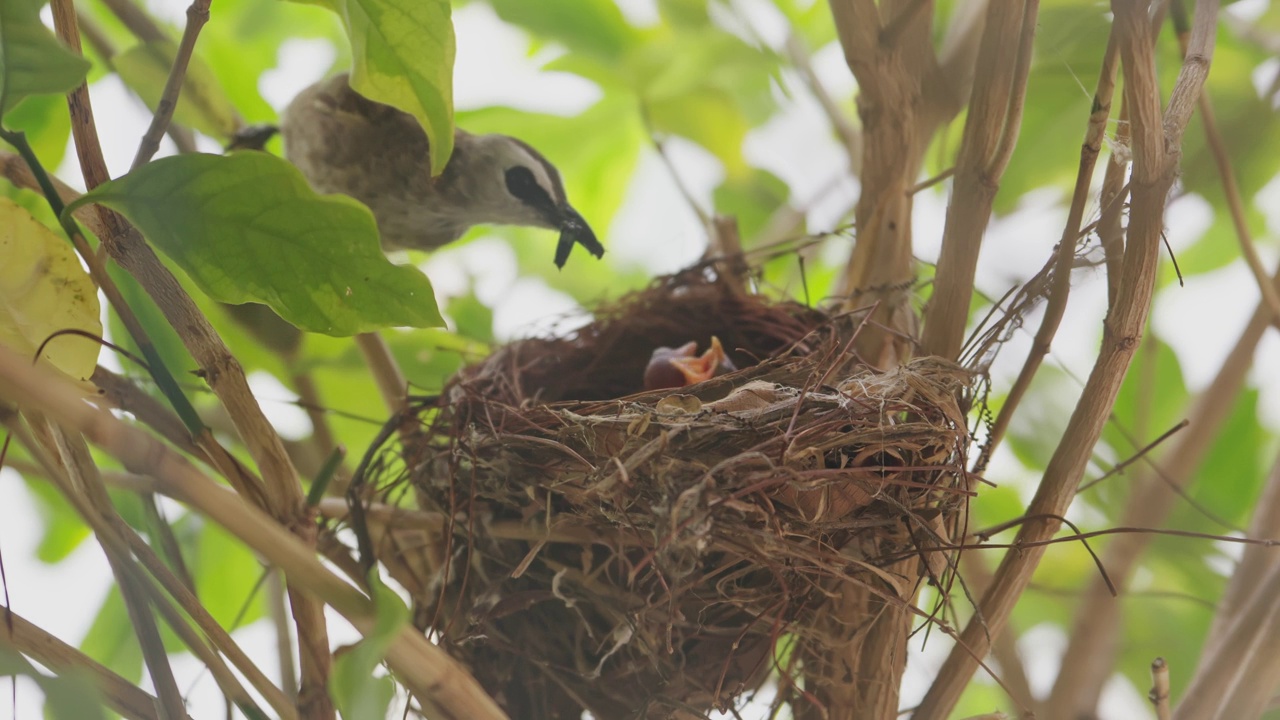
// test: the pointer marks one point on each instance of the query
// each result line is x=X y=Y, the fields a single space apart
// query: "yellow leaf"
x=44 y=289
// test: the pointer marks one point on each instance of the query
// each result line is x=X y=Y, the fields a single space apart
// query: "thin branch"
x=282 y=493
x=1160 y=688
x=66 y=457
x=1235 y=207
x=120 y=695
x=1245 y=642
x=435 y=679
x=385 y=370
x=990 y=131
x=1156 y=153
x=1254 y=682
x=850 y=137
x=197 y=16
x=1060 y=286
x=1096 y=627
x=136 y=20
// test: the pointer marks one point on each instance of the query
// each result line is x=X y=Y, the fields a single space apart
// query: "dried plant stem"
x=197 y=16
x=1112 y=199
x=895 y=133
x=119 y=541
x=119 y=694
x=904 y=96
x=218 y=637
x=277 y=604
x=442 y=686
x=1157 y=143
x=1087 y=662
x=990 y=133
x=1253 y=564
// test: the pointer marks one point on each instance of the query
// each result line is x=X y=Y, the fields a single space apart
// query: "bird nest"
x=659 y=554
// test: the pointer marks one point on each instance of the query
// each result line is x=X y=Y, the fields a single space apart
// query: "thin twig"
x=1160 y=688
x=281 y=492
x=436 y=680
x=1087 y=661
x=1060 y=285
x=1235 y=205
x=66 y=457
x=385 y=370
x=1156 y=143
x=990 y=133
x=197 y=16
x=850 y=137
x=119 y=694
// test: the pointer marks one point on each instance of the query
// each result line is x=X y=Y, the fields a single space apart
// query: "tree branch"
x=197 y=16
x=990 y=132
x=435 y=679
x=1155 y=168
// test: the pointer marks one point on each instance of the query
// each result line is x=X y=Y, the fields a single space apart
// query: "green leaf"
x=110 y=639
x=68 y=696
x=246 y=227
x=64 y=529
x=32 y=61
x=47 y=124
x=356 y=692
x=592 y=27
x=753 y=199
x=202 y=105
x=226 y=573
x=402 y=55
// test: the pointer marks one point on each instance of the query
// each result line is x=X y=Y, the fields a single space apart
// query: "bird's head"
x=506 y=181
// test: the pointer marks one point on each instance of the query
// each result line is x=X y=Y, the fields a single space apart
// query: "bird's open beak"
x=573 y=229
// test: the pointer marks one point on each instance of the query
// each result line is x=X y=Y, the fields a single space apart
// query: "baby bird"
x=345 y=143
x=679 y=367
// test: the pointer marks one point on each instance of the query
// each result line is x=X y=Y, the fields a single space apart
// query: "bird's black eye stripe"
x=522 y=185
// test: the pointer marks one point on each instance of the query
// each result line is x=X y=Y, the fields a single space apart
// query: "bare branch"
x=1060 y=287
x=197 y=16
x=1155 y=168
x=1160 y=688
x=1095 y=630
x=991 y=130
x=120 y=695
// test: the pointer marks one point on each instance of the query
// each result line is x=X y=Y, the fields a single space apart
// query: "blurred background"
x=659 y=114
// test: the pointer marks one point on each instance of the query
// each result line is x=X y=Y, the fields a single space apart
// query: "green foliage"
x=69 y=695
x=354 y=688
x=403 y=56
x=32 y=61
x=594 y=28
x=202 y=104
x=46 y=123
x=246 y=227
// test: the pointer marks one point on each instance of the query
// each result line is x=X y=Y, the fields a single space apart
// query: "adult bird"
x=345 y=143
